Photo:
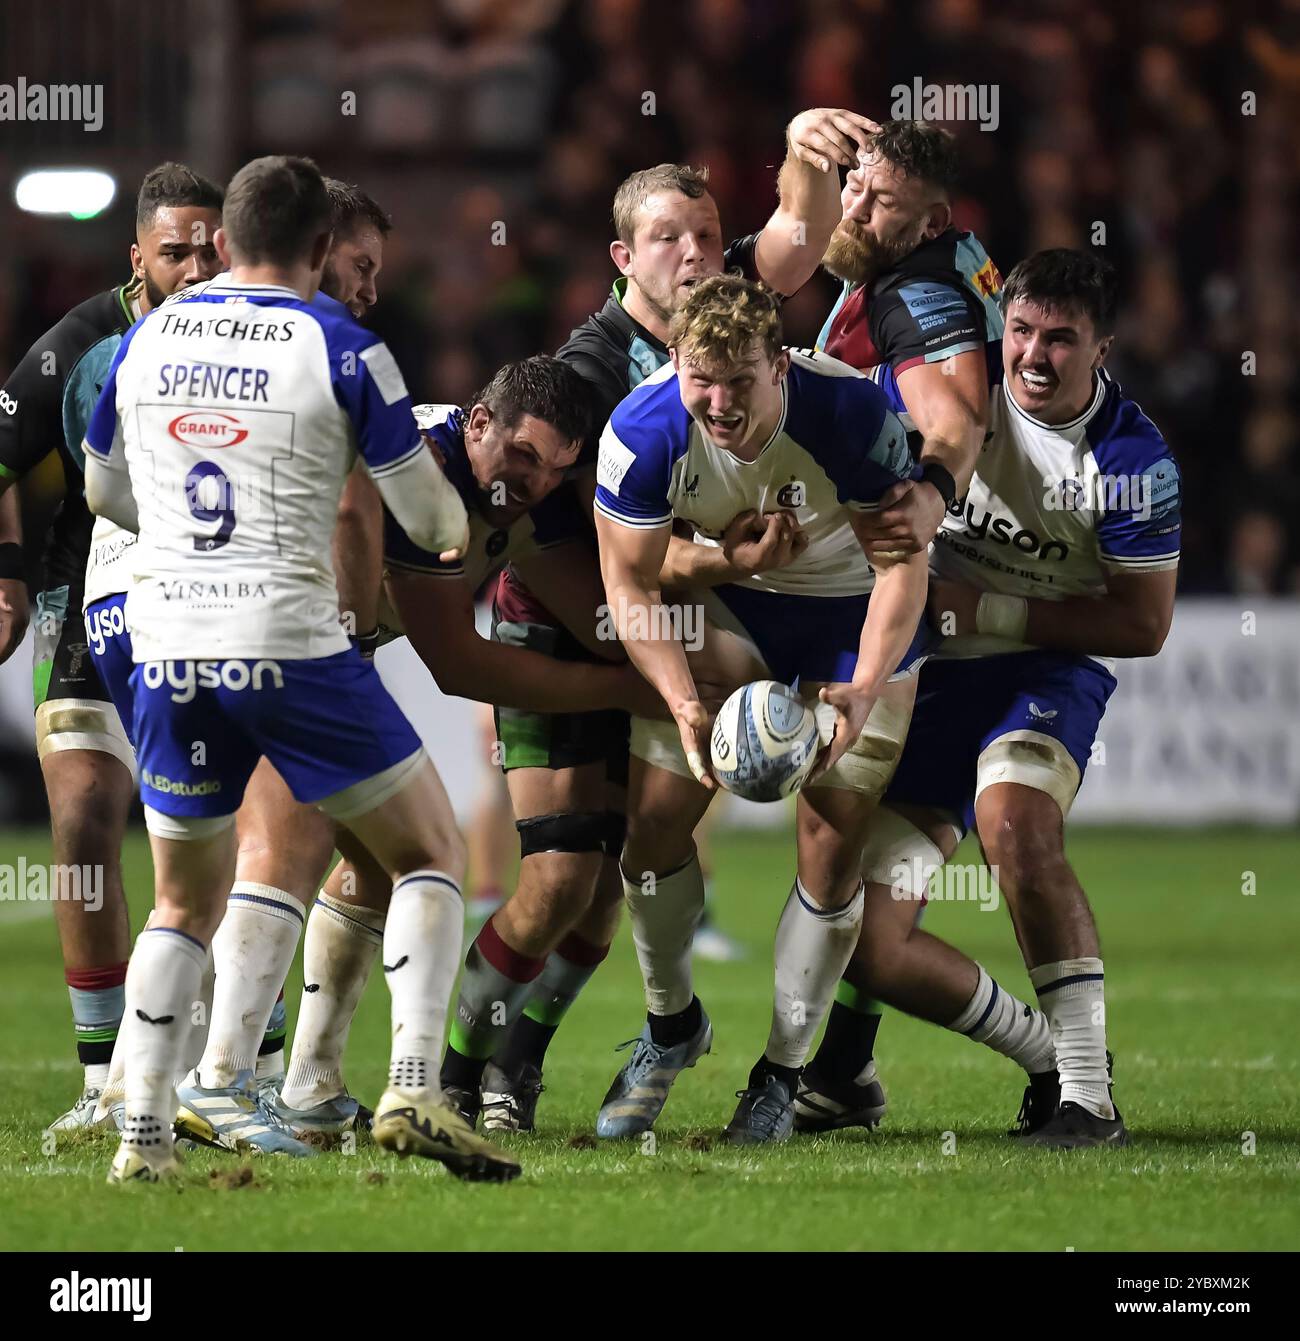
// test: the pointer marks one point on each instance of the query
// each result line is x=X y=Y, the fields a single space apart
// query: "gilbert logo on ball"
x=764 y=742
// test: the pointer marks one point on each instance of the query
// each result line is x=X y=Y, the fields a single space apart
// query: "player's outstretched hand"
x=754 y=544
x=824 y=137
x=15 y=613
x=693 y=724
x=908 y=517
x=852 y=708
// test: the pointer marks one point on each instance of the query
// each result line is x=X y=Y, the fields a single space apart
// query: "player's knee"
x=657 y=840
x=88 y=812
x=557 y=889
x=1026 y=860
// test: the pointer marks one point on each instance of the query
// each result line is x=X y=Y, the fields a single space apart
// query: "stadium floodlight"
x=81 y=193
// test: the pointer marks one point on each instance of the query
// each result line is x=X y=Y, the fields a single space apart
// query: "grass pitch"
x=1203 y=998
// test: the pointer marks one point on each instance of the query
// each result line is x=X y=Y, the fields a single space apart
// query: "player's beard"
x=856 y=256
x=156 y=297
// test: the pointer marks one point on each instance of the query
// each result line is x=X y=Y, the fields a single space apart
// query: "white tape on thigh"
x=899 y=855
x=869 y=763
x=185 y=828
x=1032 y=760
x=82 y=724
x=660 y=744
x=370 y=793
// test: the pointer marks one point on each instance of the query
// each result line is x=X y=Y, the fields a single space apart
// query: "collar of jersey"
x=219 y=285
x=619 y=291
x=1098 y=395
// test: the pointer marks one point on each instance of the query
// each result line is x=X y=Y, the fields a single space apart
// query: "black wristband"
x=12 y=565
x=941 y=477
x=368 y=643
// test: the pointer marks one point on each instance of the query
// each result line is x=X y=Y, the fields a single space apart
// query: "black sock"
x=763 y=1068
x=525 y=1045
x=848 y=1045
x=461 y=1072
x=669 y=1030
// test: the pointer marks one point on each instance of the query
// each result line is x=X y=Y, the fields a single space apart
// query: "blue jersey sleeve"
x=633 y=471
x=369 y=386
x=1140 y=527
x=846 y=424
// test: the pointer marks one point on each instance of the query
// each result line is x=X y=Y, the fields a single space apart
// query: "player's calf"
x=89 y=792
x=1021 y=831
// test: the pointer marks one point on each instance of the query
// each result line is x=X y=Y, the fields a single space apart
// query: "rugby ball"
x=764 y=742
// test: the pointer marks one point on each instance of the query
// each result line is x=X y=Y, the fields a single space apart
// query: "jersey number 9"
x=207 y=478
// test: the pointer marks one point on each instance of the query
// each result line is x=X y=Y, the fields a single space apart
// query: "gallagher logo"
x=207 y=428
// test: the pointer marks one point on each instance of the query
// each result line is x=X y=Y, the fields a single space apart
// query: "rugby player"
x=284 y=848
x=1063 y=557
x=567 y=774
x=239 y=651
x=917 y=312
x=85 y=755
x=739 y=423
x=507 y=454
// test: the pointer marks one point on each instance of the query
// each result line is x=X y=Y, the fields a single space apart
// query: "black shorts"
x=62 y=666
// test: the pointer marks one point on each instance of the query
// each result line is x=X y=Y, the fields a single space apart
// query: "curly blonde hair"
x=721 y=319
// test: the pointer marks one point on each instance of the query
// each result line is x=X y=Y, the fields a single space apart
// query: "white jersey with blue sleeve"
x=238 y=413
x=837 y=447
x=1054 y=508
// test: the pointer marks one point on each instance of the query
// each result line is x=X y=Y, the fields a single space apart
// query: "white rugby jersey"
x=108 y=570
x=1053 y=508
x=838 y=446
x=238 y=412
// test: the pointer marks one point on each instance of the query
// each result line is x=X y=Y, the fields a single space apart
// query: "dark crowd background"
x=495 y=132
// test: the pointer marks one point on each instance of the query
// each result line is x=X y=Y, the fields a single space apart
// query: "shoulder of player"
x=651 y=411
x=1123 y=440
x=78 y=330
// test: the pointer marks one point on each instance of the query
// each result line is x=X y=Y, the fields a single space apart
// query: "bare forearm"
x=358 y=551
x=954 y=443
x=515 y=677
x=640 y=618
x=897 y=603
x=1096 y=626
x=11 y=517
x=690 y=565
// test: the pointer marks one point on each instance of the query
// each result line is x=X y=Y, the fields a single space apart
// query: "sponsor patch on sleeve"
x=385 y=372
x=614 y=461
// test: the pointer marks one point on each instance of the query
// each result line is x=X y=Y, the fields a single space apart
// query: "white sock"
x=338 y=949
x=422 y=950
x=252 y=953
x=665 y=911
x=269 y=1064
x=997 y=1019
x=1072 y=995
x=161 y=984
x=97 y=1074
x=813 y=948
x=197 y=1038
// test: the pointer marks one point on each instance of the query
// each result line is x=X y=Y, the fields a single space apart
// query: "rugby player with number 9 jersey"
x=238 y=650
